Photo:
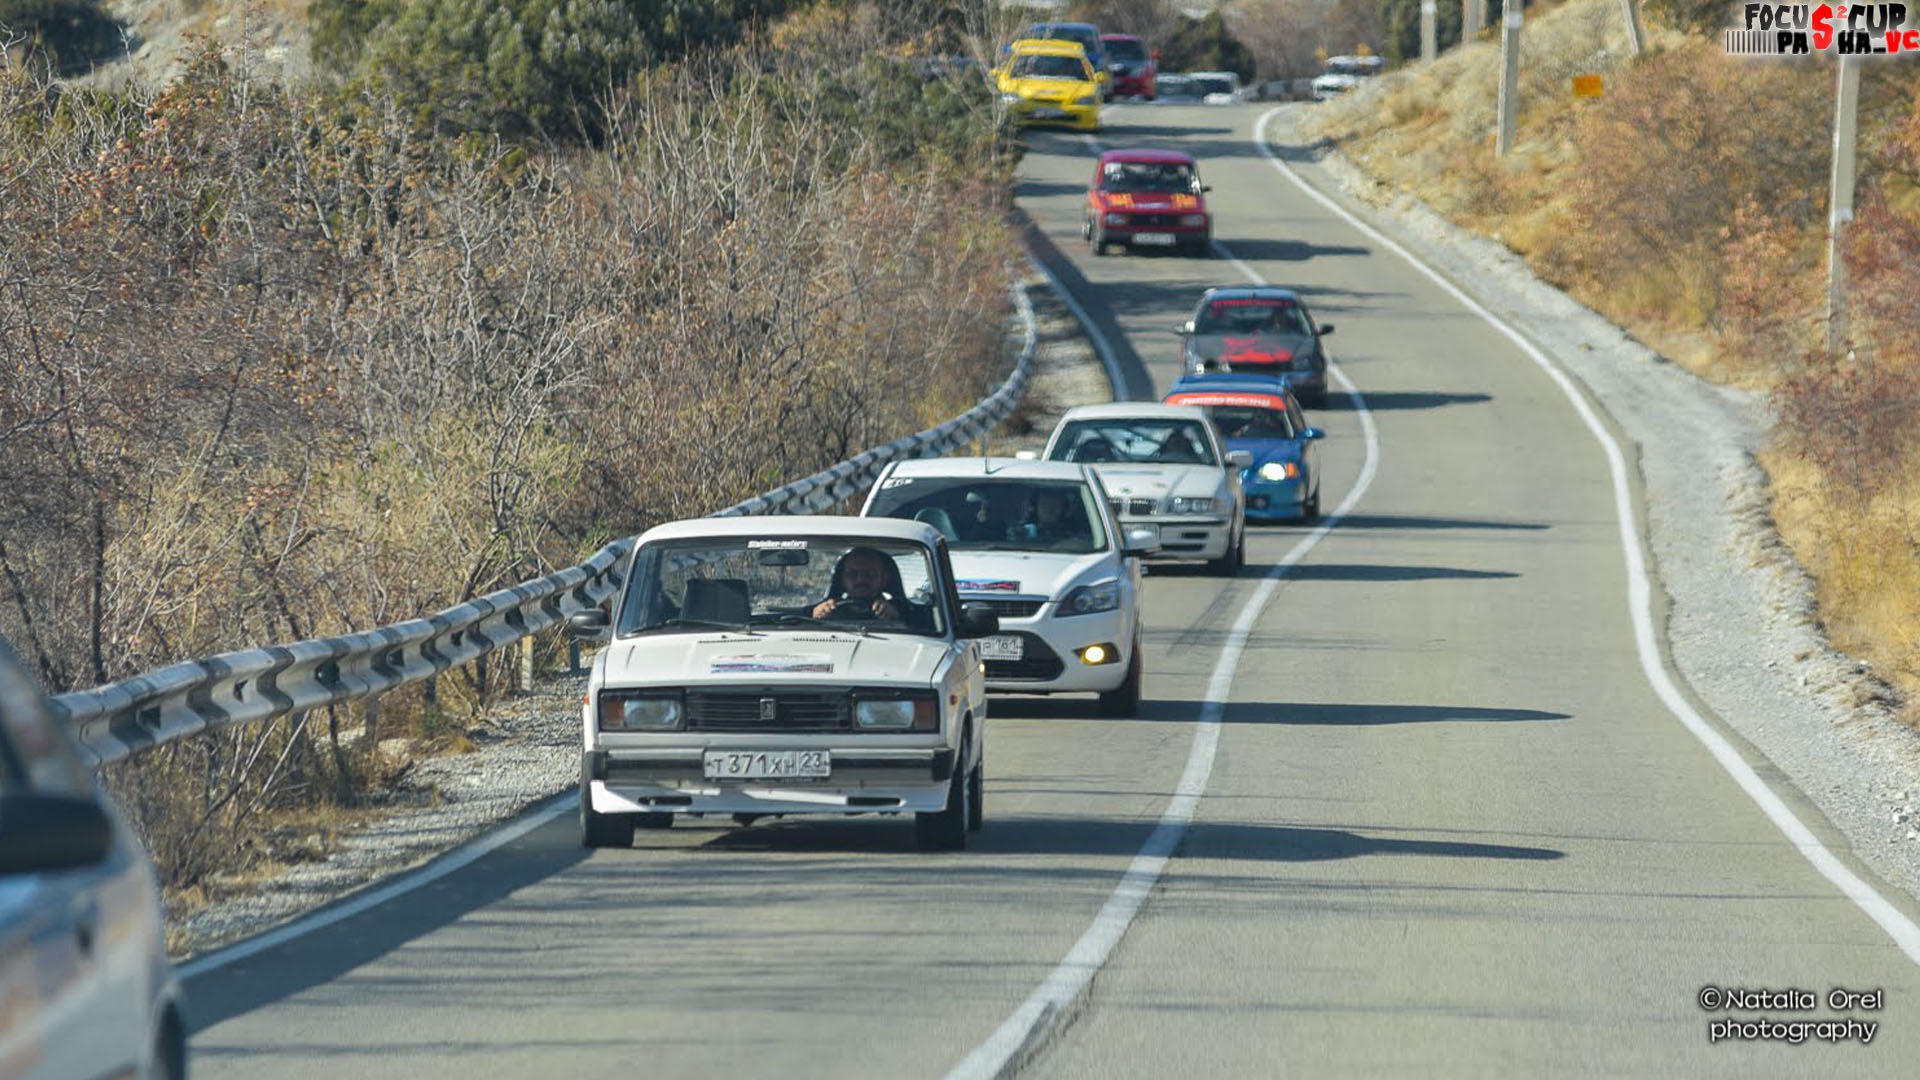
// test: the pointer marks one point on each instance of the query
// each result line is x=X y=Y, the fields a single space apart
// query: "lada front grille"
x=1154 y=219
x=736 y=711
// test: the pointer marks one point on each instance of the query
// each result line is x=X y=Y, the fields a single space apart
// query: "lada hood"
x=1050 y=90
x=989 y=575
x=805 y=656
x=1150 y=202
x=1132 y=480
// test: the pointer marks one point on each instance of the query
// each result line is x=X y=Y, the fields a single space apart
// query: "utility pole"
x=1840 y=199
x=1473 y=16
x=1636 y=39
x=1429 y=33
x=1509 y=75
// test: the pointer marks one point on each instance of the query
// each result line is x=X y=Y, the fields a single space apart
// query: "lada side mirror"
x=1239 y=459
x=1139 y=542
x=587 y=624
x=977 y=620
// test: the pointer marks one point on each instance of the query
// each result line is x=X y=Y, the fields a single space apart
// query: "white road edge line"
x=1056 y=1000
x=458 y=859
x=1904 y=932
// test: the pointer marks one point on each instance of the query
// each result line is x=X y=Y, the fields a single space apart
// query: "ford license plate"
x=768 y=764
x=1004 y=647
x=1158 y=238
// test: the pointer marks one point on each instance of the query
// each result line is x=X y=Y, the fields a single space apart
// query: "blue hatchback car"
x=1260 y=415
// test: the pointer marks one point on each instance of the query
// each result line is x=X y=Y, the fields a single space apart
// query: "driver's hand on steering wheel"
x=882 y=606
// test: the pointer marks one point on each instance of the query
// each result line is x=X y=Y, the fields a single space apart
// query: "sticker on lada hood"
x=745 y=662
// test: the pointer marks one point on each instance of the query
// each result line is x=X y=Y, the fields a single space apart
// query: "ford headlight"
x=1088 y=100
x=1205 y=505
x=634 y=712
x=1193 y=219
x=1090 y=599
x=1279 y=470
x=896 y=714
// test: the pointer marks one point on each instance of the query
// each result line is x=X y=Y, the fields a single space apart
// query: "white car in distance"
x=769 y=666
x=1169 y=478
x=1038 y=543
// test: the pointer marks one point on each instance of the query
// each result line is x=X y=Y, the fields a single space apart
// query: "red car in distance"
x=1134 y=67
x=1148 y=199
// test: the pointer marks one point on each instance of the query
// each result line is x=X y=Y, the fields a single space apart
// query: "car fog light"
x=1095 y=655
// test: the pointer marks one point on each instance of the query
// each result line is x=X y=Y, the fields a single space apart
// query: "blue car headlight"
x=1091 y=599
x=1276 y=471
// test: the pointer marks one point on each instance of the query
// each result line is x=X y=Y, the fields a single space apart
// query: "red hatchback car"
x=1134 y=67
x=1148 y=198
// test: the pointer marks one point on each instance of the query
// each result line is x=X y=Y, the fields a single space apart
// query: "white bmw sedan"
x=1037 y=541
x=1168 y=476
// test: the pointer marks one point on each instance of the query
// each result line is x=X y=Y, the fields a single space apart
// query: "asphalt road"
x=1447 y=829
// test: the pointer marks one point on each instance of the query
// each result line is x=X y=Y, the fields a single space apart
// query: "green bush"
x=74 y=33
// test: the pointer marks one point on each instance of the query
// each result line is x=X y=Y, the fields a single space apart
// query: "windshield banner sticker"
x=759 y=662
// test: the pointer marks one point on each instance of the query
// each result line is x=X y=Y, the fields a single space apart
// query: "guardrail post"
x=480 y=674
x=370 y=728
x=526 y=664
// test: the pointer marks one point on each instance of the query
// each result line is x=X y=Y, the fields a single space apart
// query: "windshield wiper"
x=705 y=624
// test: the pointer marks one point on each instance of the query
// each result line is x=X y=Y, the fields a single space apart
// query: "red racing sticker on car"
x=1257 y=401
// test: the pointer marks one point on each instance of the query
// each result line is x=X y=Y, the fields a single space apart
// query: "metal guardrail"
x=127 y=717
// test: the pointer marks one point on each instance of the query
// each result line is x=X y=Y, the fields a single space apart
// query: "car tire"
x=1124 y=700
x=1099 y=239
x=946 y=829
x=1310 y=509
x=602 y=830
x=977 y=796
x=1230 y=563
x=652 y=821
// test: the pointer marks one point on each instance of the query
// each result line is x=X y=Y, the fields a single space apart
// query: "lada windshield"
x=979 y=514
x=1159 y=441
x=1148 y=176
x=774 y=584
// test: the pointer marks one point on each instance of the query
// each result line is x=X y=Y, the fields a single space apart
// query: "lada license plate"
x=1004 y=647
x=1158 y=238
x=768 y=764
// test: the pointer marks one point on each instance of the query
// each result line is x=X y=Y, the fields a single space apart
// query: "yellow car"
x=1050 y=82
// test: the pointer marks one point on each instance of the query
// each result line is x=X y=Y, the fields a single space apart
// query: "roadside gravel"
x=1740 y=617
x=528 y=747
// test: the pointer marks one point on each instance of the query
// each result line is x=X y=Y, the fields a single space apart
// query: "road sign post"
x=1840 y=199
x=1510 y=23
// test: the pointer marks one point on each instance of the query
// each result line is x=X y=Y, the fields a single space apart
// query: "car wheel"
x=1229 y=564
x=652 y=821
x=1124 y=700
x=977 y=797
x=1086 y=229
x=1099 y=239
x=946 y=829
x=602 y=830
x=1310 y=509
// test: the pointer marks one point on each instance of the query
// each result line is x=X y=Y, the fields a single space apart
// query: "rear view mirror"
x=587 y=624
x=1239 y=459
x=781 y=557
x=1139 y=542
x=977 y=620
x=43 y=833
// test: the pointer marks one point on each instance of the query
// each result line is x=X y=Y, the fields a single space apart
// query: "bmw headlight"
x=1088 y=100
x=1279 y=470
x=639 y=712
x=1116 y=219
x=1090 y=599
x=1193 y=219
x=1204 y=505
x=896 y=714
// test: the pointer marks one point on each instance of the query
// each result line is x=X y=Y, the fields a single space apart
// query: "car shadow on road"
x=1410 y=521
x=1370 y=572
x=1394 y=400
x=1040 y=189
x=1250 y=250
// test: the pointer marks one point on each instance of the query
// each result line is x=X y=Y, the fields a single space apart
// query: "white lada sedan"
x=1036 y=542
x=785 y=665
x=1167 y=474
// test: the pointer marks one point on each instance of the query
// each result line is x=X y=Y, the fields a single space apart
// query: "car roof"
x=1123 y=37
x=1249 y=292
x=779 y=525
x=1143 y=155
x=1124 y=410
x=997 y=468
x=1049 y=47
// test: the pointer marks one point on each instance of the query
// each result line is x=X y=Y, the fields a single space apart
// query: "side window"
x=947 y=584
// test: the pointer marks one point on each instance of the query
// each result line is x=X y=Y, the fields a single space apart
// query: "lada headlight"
x=1116 y=219
x=639 y=711
x=1203 y=505
x=1090 y=599
x=916 y=713
x=1279 y=470
x=1193 y=219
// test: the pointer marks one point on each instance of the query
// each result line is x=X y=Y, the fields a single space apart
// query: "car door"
x=1309 y=448
x=72 y=993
